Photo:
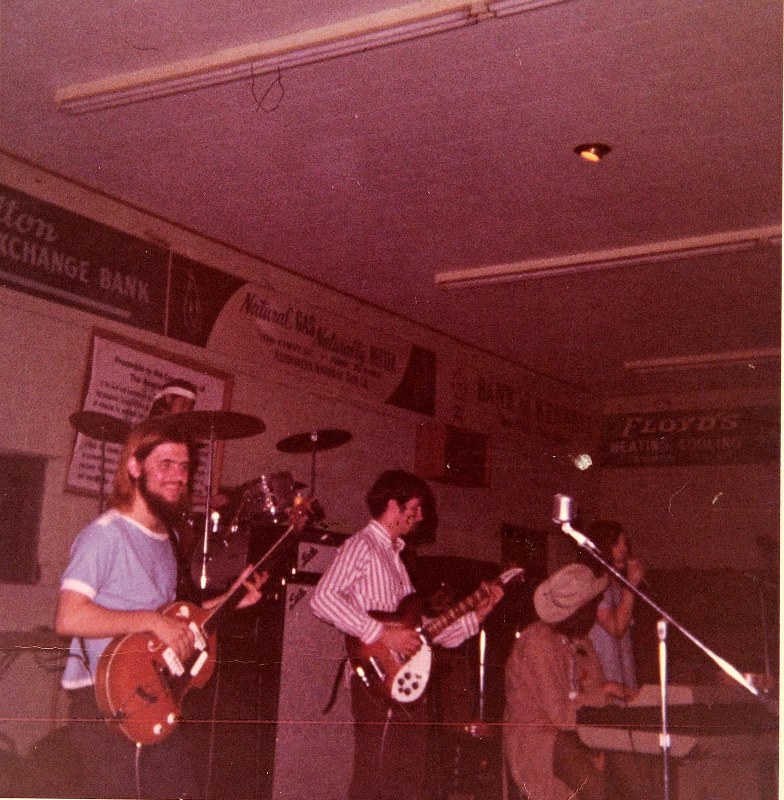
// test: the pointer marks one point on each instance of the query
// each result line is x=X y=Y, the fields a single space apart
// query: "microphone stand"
x=562 y=515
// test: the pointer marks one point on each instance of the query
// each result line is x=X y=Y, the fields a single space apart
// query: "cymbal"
x=219 y=424
x=100 y=426
x=311 y=441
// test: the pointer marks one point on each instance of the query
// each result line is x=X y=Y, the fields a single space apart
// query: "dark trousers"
x=111 y=763
x=390 y=748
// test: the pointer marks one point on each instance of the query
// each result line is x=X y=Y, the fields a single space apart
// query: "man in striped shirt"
x=369 y=575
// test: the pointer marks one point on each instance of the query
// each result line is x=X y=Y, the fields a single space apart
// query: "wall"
x=698 y=516
x=44 y=359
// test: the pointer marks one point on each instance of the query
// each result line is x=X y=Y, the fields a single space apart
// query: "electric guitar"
x=140 y=683
x=404 y=680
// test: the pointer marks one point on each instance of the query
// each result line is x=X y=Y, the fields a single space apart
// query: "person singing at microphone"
x=611 y=633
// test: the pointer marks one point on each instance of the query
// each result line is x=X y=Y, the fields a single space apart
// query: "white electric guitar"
x=401 y=679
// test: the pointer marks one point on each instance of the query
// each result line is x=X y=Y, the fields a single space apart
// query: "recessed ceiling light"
x=593 y=152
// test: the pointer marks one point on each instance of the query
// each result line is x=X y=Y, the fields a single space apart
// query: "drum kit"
x=266 y=500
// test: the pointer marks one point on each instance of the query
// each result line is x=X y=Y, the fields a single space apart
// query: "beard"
x=169 y=513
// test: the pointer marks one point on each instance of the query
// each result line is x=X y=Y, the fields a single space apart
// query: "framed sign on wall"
x=122 y=379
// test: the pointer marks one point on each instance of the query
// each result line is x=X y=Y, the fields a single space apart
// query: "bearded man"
x=123 y=569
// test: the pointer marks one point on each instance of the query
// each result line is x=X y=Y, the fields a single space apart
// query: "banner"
x=122 y=380
x=717 y=436
x=66 y=258
x=197 y=296
x=496 y=401
x=316 y=346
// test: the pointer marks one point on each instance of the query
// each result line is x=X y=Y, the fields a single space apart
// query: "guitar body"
x=136 y=685
x=386 y=673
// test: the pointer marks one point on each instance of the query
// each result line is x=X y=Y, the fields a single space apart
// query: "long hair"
x=141 y=441
x=397 y=485
x=604 y=533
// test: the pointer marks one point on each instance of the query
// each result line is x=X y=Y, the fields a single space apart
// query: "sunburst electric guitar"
x=391 y=675
x=140 y=683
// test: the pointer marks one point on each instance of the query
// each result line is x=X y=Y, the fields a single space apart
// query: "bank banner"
x=718 y=436
x=499 y=401
x=319 y=347
x=66 y=258
x=122 y=379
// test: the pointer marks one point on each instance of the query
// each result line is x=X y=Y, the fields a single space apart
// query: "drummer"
x=175 y=397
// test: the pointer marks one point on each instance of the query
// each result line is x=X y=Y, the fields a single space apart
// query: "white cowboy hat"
x=566 y=591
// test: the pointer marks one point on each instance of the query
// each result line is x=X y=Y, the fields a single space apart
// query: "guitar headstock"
x=302 y=511
x=511 y=574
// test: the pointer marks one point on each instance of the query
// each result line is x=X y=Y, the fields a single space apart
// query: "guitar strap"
x=186 y=589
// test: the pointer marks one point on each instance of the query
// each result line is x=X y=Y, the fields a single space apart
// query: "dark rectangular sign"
x=61 y=256
x=719 y=436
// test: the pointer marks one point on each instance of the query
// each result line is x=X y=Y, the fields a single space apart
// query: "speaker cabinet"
x=313 y=750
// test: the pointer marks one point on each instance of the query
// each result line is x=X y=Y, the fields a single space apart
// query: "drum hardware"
x=214 y=426
x=104 y=428
x=311 y=442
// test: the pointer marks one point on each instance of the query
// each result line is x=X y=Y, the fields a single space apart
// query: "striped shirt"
x=369 y=575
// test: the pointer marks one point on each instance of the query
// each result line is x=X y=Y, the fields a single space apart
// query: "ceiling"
x=374 y=171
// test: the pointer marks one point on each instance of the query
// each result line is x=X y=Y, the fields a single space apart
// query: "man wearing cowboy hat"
x=552 y=671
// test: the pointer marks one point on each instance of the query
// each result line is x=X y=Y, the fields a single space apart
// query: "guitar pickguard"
x=410 y=681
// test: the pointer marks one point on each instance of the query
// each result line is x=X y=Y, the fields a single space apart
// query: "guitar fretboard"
x=432 y=628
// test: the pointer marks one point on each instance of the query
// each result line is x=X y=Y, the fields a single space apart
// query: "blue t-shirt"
x=615 y=655
x=118 y=564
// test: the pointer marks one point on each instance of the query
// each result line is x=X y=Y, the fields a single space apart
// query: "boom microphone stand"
x=563 y=514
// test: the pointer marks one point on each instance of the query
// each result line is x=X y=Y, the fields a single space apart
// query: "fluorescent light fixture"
x=636 y=255
x=742 y=358
x=392 y=25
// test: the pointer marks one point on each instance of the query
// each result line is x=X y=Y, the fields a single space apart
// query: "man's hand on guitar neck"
x=399 y=639
x=250 y=581
x=495 y=593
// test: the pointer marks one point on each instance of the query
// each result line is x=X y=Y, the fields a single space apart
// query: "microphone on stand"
x=563 y=514
x=563 y=509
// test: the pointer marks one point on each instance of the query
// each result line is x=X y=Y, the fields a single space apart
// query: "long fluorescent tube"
x=355 y=35
x=653 y=252
x=704 y=361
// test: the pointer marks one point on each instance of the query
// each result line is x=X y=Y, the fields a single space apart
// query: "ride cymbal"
x=313 y=441
x=219 y=424
x=100 y=426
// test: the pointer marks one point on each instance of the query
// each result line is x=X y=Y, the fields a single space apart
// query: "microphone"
x=563 y=514
x=563 y=510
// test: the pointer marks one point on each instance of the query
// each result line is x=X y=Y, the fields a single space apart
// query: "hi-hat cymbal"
x=100 y=426
x=311 y=441
x=219 y=424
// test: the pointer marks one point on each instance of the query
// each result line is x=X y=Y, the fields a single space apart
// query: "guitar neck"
x=226 y=607
x=437 y=624
x=238 y=590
